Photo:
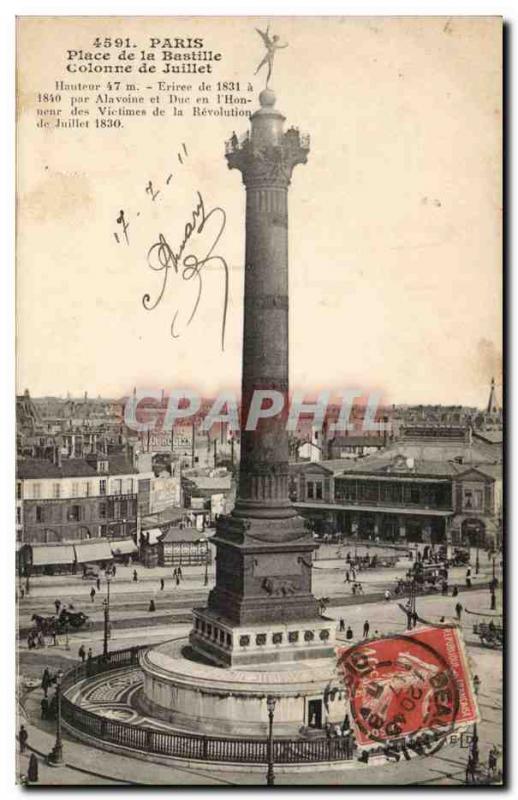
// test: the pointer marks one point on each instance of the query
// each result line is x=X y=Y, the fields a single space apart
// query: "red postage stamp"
x=405 y=686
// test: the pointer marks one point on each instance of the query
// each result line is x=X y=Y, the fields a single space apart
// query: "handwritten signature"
x=161 y=257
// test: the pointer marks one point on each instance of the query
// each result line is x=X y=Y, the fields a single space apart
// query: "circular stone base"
x=201 y=698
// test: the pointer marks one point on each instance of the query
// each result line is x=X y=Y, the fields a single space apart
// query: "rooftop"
x=27 y=468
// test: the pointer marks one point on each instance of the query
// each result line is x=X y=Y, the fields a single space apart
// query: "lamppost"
x=106 y=604
x=473 y=748
x=55 y=757
x=270 y=705
x=492 y=586
x=206 y=578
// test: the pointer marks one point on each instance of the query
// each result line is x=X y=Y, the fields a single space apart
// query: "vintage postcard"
x=259 y=490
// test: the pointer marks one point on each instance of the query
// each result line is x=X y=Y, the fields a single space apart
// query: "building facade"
x=401 y=498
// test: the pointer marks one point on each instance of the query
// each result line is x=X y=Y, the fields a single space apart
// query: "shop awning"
x=408 y=510
x=123 y=547
x=45 y=555
x=93 y=551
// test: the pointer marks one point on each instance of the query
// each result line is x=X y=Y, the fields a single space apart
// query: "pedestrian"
x=82 y=653
x=180 y=573
x=57 y=605
x=54 y=634
x=98 y=584
x=114 y=570
x=22 y=592
x=353 y=589
x=442 y=619
x=341 y=626
x=44 y=708
x=30 y=640
x=468 y=583
x=46 y=680
x=458 y=610
x=41 y=639
x=366 y=628
x=455 y=591
x=92 y=594
x=152 y=606
x=492 y=762
x=408 y=619
x=174 y=573
x=468 y=572
x=444 y=588
x=387 y=594
x=32 y=772
x=349 y=633
x=353 y=572
x=23 y=737
x=471 y=769
x=90 y=654
x=347 y=577
x=414 y=618
x=177 y=579
x=162 y=584
x=135 y=576
x=360 y=588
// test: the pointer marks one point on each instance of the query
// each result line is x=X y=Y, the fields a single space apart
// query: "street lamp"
x=55 y=757
x=206 y=578
x=270 y=705
x=492 y=586
x=473 y=748
x=106 y=604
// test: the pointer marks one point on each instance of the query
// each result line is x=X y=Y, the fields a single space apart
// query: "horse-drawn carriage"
x=60 y=624
x=489 y=633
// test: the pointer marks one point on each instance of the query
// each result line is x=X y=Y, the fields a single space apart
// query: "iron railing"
x=186 y=745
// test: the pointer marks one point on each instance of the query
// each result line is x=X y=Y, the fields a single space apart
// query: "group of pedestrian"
x=357 y=588
x=348 y=632
x=177 y=575
x=35 y=639
x=32 y=770
x=83 y=655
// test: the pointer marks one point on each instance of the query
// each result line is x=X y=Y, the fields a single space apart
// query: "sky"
x=394 y=223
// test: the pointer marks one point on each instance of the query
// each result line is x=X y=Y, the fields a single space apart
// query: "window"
x=36 y=490
x=19 y=490
x=18 y=515
x=103 y=530
x=39 y=514
x=310 y=490
x=102 y=466
x=56 y=490
x=318 y=491
x=75 y=489
x=102 y=510
x=88 y=489
x=74 y=514
x=102 y=486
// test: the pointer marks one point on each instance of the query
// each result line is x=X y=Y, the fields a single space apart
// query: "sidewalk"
x=85 y=765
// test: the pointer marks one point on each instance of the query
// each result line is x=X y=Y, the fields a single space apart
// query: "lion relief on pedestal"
x=279 y=586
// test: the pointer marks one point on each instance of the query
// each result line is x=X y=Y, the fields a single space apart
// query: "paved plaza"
x=133 y=624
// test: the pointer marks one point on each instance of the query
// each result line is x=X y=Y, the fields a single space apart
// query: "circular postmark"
x=401 y=691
